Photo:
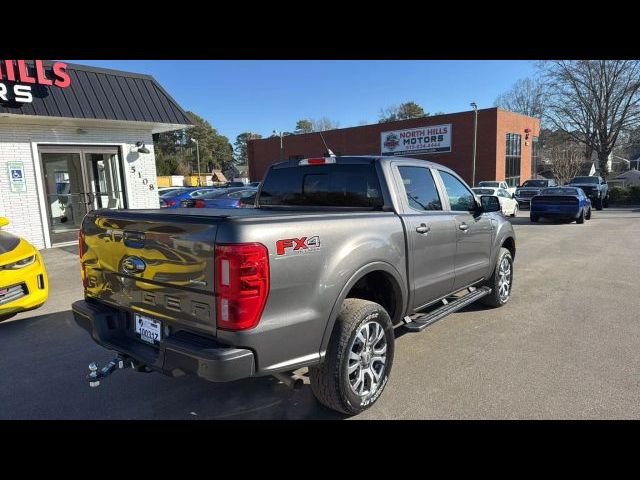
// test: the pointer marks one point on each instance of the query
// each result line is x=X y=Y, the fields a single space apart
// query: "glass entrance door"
x=78 y=180
x=103 y=180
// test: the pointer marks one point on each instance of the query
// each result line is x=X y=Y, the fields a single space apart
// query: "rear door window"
x=420 y=188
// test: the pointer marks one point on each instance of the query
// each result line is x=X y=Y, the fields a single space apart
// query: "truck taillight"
x=242 y=284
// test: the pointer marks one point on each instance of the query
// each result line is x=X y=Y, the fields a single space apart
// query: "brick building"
x=74 y=138
x=506 y=144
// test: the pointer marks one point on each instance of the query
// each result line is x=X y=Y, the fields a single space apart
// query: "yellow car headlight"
x=25 y=262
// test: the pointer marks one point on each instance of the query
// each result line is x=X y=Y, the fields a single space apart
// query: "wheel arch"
x=381 y=270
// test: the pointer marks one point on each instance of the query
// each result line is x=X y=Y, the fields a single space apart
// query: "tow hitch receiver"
x=95 y=375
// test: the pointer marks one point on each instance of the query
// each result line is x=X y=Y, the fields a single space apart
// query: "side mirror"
x=4 y=221
x=490 y=203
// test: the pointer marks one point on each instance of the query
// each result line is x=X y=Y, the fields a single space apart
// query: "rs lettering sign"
x=18 y=77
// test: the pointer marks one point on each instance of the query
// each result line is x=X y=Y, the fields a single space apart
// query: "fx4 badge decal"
x=299 y=245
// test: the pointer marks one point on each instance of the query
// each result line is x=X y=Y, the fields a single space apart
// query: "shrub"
x=618 y=195
x=634 y=194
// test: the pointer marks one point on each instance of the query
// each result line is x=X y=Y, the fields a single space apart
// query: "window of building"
x=535 y=152
x=420 y=188
x=512 y=160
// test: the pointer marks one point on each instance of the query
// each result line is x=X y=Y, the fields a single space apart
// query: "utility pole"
x=198 y=157
x=475 y=139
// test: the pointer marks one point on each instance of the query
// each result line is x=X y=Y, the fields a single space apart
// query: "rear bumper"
x=178 y=354
x=556 y=213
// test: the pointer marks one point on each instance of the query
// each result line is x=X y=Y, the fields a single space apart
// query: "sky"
x=260 y=96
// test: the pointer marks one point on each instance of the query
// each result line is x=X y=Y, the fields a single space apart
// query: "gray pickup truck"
x=336 y=254
x=595 y=188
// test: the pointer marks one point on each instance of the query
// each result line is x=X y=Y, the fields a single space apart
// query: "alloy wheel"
x=367 y=359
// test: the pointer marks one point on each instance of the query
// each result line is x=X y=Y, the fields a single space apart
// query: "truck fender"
x=361 y=272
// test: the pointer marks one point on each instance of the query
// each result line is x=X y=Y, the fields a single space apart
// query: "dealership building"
x=75 y=138
x=506 y=144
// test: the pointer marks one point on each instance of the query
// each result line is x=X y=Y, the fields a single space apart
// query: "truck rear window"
x=333 y=185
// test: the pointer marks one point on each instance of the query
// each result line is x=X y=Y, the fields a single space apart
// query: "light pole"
x=198 y=157
x=279 y=134
x=475 y=139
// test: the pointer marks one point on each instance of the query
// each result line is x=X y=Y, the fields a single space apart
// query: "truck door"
x=431 y=235
x=473 y=232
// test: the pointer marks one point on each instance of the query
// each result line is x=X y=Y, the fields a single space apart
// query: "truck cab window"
x=420 y=188
x=460 y=198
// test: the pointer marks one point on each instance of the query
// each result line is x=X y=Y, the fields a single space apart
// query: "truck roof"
x=354 y=159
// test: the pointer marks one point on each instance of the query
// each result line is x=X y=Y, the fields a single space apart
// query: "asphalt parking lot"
x=566 y=346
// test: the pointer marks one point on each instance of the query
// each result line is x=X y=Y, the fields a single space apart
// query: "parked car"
x=561 y=202
x=337 y=253
x=529 y=189
x=232 y=185
x=508 y=205
x=172 y=200
x=23 y=278
x=223 y=198
x=168 y=190
x=497 y=184
x=595 y=188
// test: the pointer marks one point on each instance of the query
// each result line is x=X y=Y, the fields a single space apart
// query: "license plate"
x=148 y=330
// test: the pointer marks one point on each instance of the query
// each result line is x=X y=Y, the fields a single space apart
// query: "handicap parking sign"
x=16 y=177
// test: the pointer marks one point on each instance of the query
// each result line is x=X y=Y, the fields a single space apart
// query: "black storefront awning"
x=98 y=93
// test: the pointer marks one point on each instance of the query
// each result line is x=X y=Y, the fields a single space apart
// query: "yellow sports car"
x=23 y=279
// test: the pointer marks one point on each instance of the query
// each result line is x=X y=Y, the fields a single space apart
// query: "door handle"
x=464 y=227
x=423 y=228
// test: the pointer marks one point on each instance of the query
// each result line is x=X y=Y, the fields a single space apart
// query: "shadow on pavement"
x=45 y=364
x=540 y=222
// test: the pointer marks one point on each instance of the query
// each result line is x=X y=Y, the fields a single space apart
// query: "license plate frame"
x=147 y=329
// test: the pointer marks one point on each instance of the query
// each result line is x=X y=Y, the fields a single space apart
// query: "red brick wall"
x=365 y=140
x=509 y=122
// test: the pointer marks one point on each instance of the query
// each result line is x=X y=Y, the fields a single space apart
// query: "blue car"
x=561 y=202
x=173 y=199
x=239 y=197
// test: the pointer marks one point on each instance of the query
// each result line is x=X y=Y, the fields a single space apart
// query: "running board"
x=418 y=322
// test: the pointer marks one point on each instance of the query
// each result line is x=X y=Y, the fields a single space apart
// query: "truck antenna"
x=331 y=154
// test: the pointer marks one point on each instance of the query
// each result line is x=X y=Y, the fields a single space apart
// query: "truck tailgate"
x=159 y=265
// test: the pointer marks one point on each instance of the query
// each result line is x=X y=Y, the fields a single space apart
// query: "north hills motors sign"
x=415 y=141
x=20 y=80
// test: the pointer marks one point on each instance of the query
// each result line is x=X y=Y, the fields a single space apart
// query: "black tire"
x=605 y=203
x=588 y=217
x=7 y=316
x=581 y=217
x=534 y=218
x=330 y=381
x=494 y=299
x=599 y=204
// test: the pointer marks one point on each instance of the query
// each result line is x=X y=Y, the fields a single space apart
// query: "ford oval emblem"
x=133 y=265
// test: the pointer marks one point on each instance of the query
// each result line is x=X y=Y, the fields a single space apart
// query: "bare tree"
x=403 y=111
x=323 y=124
x=565 y=161
x=526 y=96
x=593 y=101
